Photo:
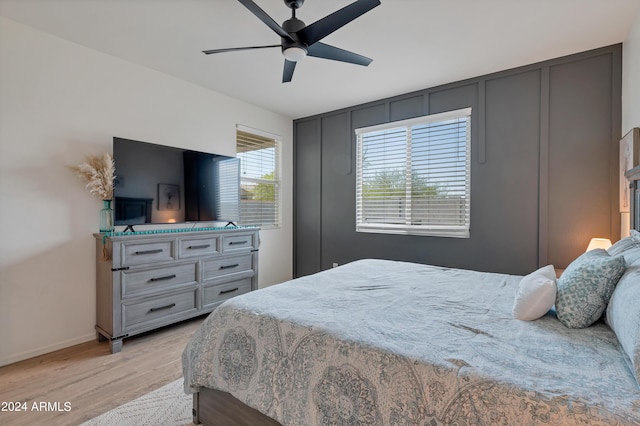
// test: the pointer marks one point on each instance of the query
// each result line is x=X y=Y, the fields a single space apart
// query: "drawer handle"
x=235 y=265
x=149 y=251
x=201 y=246
x=237 y=242
x=229 y=291
x=160 y=308
x=167 y=277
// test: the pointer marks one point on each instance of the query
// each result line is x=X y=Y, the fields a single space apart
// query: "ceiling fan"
x=300 y=40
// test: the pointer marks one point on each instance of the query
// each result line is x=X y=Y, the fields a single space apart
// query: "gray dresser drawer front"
x=155 y=309
x=215 y=294
x=218 y=266
x=244 y=242
x=148 y=252
x=198 y=247
x=157 y=279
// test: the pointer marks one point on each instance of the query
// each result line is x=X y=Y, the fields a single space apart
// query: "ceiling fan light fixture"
x=294 y=53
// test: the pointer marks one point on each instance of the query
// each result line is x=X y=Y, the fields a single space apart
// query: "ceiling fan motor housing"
x=292 y=26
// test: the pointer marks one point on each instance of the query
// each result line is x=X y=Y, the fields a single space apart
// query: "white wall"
x=630 y=92
x=60 y=101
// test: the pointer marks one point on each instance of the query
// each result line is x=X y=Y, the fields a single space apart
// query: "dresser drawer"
x=157 y=279
x=233 y=243
x=198 y=247
x=217 y=293
x=147 y=252
x=224 y=265
x=155 y=309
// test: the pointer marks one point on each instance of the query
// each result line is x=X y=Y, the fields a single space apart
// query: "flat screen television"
x=158 y=184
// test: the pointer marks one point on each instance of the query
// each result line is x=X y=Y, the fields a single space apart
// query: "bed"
x=379 y=342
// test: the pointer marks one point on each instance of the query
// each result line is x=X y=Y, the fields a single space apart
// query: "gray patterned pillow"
x=585 y=287
x=623 y=316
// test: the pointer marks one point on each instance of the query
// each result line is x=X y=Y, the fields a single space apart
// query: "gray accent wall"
x=544 y=164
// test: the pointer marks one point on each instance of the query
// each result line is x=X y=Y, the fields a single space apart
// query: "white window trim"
x=425 y=119
x=278 y=180
x=405 y=229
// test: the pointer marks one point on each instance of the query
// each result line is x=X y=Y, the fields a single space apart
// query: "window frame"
x=407 y=228
x=277 y=181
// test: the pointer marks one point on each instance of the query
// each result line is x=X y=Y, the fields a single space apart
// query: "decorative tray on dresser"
x=149 y=280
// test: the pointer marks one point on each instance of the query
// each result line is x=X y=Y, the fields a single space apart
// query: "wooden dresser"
x=146 y=281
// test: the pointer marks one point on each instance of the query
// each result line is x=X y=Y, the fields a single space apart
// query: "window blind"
x=227 y=190
x=413 y=176
x=259 y=178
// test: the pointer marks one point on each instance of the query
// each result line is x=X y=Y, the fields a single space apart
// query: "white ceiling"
x=415 y=44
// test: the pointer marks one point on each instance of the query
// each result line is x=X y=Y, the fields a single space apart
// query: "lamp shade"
x=595 y=243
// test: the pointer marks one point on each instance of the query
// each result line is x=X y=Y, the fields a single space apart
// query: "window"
x=413 y=176
x=259 y=155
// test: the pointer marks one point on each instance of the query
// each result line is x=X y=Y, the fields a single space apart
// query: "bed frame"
x=214 y=407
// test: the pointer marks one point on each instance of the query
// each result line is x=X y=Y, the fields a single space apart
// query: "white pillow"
x=536 y=294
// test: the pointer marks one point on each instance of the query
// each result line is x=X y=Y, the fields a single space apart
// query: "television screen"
x=162 y=184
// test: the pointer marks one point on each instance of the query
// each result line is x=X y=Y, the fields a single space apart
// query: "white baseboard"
x=10 y=359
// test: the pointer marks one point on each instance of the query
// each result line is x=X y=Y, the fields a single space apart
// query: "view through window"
x=259 y=177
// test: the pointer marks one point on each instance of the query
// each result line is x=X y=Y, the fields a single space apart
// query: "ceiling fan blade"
x=324 y=51
x=325 y=26
x=262 y=15
x=287 y=74
x=233 y=49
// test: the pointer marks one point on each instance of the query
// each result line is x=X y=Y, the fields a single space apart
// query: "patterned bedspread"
x=378 y=342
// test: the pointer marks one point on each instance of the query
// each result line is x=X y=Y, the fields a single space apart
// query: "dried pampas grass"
x=98 y=172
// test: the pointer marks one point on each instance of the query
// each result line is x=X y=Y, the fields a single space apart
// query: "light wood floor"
x=92 y=379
